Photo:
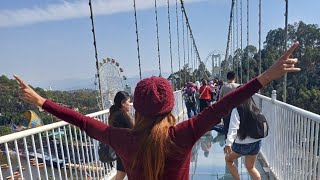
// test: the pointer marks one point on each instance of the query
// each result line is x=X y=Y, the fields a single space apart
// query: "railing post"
x=274 y=95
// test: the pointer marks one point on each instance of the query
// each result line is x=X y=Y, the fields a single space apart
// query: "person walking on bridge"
x=225 y=89
x=156 y=148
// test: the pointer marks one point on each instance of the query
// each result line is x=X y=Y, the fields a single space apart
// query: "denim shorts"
x=247 y=149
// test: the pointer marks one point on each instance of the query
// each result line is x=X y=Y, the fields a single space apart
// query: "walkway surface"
x=207 y=161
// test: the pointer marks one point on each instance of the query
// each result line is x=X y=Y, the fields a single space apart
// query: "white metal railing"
x=54 y=151
x=59 y=151
x=292 y=148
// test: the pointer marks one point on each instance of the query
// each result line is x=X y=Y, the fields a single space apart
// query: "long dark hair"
x=120 y=97
x=246 y=124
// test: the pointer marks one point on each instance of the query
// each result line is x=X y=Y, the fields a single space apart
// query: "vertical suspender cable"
x=248 y=63
x=177 y=17
x=237 y=48
x=192 y=63
x=233 y=40
x=96 y=53
x=285 y=48
x=183 y=45
x=158 y=43
x=188 y=54
x=170 y=41
x=137 y=34
x=184 y=58
x=259 y=36
x=241 y=33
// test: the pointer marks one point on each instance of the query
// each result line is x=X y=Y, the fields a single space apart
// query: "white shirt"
x=233 y=128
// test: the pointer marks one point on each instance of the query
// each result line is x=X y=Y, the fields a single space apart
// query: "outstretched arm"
x=195 y=127
x=92 y=127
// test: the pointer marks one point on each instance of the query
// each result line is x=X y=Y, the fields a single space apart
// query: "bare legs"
x=230 y=158
x=249 y=164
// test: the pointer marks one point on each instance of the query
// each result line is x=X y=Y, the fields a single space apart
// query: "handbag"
x=106 y=153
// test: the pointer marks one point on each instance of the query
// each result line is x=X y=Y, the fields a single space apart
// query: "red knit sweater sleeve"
x=94 y=128
x=188 y=132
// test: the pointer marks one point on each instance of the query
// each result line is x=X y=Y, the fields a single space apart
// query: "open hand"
x=227 y=150
x=283 y=65
x=28 y=94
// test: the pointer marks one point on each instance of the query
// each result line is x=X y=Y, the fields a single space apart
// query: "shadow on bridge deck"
x=207 y=161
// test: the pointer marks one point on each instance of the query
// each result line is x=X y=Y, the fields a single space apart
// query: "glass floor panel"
x=207 y=160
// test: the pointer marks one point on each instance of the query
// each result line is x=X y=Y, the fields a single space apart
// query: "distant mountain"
x=75 y=84
x=67 y=84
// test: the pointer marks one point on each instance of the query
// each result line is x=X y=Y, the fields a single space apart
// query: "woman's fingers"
x=291 y=61
x=292 y=69
x=20 y=81
x=289 y=65
x=287 y=54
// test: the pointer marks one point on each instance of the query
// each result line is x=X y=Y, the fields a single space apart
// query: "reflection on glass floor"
x=207 y=160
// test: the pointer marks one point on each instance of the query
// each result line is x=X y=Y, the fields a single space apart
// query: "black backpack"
x=190 y=96
x=259 y=127
x=106 y=153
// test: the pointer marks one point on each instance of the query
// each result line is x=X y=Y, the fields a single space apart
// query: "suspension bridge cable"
x=241 y=58
x=233 y=41
x=178 y=36
x=158 y=43
x=183 y=53
x=170 y=41
x=259 y=37
x=237 y=19
x=285 y=48
x=248 y=63
x=192 y=63
x=237 y=30
x=192 y=37
x=229 y=31
x=183 y=44
x=137 y=35
x=188 y=53
x=96 y=53
x=234 y=38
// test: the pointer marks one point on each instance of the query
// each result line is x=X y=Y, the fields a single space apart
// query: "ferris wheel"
x=111 y=81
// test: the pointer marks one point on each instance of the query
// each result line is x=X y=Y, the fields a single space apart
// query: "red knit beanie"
x=153 y=97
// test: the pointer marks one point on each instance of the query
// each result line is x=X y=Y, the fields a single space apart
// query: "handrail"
x=33 y=131
x=305 y=113
x=291 y=150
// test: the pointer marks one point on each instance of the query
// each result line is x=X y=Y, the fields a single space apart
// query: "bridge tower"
x=215 y=59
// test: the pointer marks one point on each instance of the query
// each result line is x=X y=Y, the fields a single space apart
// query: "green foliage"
x=302 y=87
x=12 y=107
x=309 y=98
x=4 y=130
x=185 y=75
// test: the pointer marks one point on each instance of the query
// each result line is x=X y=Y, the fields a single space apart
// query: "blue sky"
x=47 y=40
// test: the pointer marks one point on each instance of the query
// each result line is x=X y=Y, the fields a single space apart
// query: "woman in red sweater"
x=205 y=95
x=156 y=148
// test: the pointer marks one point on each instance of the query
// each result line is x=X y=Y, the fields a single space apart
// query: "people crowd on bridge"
x=156 y=147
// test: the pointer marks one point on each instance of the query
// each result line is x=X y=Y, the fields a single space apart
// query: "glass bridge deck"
x=207 y=160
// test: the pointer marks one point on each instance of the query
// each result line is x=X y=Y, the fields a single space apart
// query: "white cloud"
x=69 y=10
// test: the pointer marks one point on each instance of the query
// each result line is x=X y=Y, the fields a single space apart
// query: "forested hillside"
x=12 y=108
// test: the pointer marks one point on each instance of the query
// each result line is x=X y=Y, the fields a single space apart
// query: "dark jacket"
x=121 y=120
